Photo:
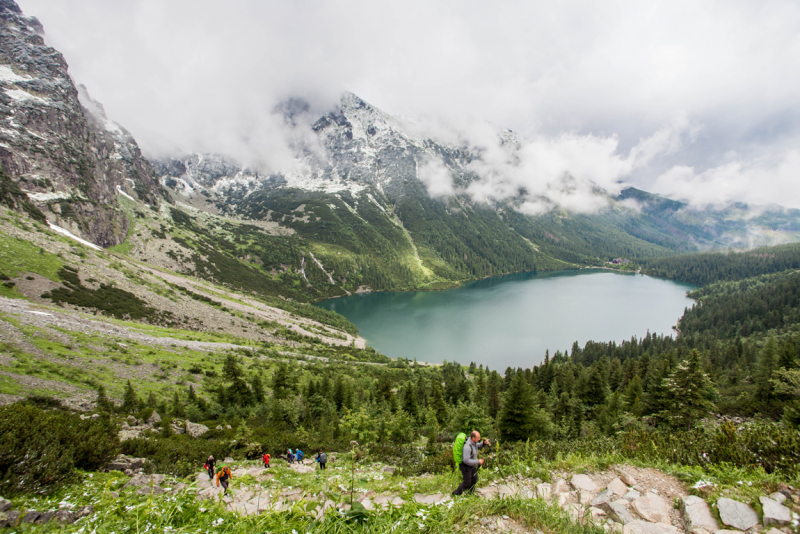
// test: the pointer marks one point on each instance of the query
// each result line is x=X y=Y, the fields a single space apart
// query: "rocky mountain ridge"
x=57 y=144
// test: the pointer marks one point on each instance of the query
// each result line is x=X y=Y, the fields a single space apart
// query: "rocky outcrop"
x=57 y=145
x=195 y=429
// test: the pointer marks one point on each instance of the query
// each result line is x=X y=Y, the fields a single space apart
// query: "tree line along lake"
x=512 y=320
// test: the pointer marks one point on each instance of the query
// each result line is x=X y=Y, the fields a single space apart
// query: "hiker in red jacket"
x=266 y=460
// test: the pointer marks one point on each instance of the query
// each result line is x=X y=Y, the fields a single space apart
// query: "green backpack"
x=458 y=447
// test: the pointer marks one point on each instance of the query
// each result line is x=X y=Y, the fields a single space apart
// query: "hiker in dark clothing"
x=322 y=459
x=470 y=463
x=210 y=467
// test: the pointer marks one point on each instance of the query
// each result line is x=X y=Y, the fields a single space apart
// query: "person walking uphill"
x=210 y=467
x=266 y=460
x=470 y=462
x=224 y=476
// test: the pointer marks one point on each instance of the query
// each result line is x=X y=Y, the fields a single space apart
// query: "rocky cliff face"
x=70 y=159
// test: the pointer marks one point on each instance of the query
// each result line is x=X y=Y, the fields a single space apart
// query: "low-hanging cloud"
x=585 y=82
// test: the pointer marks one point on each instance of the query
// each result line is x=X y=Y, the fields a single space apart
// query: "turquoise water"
x=511 y=320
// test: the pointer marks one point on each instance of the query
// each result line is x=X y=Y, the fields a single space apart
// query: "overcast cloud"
x=699 y=100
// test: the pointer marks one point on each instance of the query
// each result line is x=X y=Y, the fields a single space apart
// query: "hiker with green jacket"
x=470 y=462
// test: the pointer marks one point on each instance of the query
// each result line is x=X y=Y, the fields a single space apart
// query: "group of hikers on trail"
x=465 y=454
x=224 y=476
x=294 y=457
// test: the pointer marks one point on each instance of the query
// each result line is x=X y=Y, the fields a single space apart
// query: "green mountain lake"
x=511 y=320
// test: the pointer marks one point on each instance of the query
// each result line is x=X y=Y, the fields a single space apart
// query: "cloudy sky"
x=698 y=100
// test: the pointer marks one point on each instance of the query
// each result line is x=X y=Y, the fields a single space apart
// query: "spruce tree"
x=767 y=363
x=437 y=403
x=130 y=402
x=689 y=392
x=480 y=389
x=257 y=387
x=515 y=420
x=493 y=400
x=103 y=403
x=237 y=391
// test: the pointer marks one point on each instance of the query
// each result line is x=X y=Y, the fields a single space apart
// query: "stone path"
x=625 y=499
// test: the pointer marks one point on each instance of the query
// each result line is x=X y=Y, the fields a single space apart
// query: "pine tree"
x=632 y=398
x=237 y=392
x=480 y=388
x=688 y=392
x=767 y=363
x=130 y=402
x=437 y=402
x=103 y=403
x=514 y=421
x=257 y=387
x=177 y=406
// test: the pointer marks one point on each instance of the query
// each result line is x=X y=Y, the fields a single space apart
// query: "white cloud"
x=437 y=178
x=759 y=181
x=586 y=81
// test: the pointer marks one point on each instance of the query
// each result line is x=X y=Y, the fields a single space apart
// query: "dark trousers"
x=224 y=482
x=322 y=465
x=211 y=473
x=470 y=478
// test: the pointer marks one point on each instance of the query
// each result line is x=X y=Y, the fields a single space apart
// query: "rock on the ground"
x=644 y=527
x=778 y=497
x=145 y=480
x=616 y=511
x=195 y=429
x=736 y=514
x=583 y=483
x=774 y=512
x=625 y=476
x=389 y=469
x=122 y=462
x=147 y=490
x=153 y=419
x=617 y=487
x=560 y=486
x=632 y=495
x=697 y=514
x=604 y=496
x=64 y=517
x=5 y=505
x=652 y=508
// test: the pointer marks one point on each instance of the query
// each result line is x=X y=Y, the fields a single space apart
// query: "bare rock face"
x=69 y=158
x=736 y=514
x=122 y=463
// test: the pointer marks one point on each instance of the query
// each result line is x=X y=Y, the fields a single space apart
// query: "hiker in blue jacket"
x=470 y=462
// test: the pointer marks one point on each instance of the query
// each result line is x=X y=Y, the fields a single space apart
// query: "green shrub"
x=39 y=449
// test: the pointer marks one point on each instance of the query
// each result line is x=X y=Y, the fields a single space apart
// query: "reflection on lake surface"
x=511 y=320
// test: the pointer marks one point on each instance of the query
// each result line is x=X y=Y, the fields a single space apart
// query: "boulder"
x=774 y=512
x=652 y=508
x=697 y=514
x=45 y=518
x=736 y=514
x=5 y=505
x=195 y=429
x=367 y=504
x=147 y=490
x=177 y=429
x=643 y=527
x=154 y=419
x=65 y=517
x=389 y=469
x=30 y=516
x=583 y=483
x=625 y=476
x=122 y=462
x=12 y=516
x=617 y=487
x=131 y=420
